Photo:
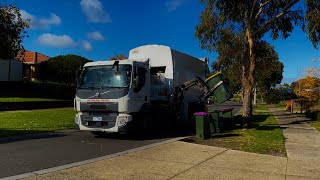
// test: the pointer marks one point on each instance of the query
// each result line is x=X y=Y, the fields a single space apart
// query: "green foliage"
x=12 y=31
x=286 y=85
x=61 y=69
x=315 y=124
x=312 y=17
x=314 y=115
x=260 y=16
x=273 y=97
x=251 y=20
x=230 y=58
x=22 y=99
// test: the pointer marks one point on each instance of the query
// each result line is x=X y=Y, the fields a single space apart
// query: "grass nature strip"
x=263 y=136
x=315 y=124
x=23 y=99
x=35 y=121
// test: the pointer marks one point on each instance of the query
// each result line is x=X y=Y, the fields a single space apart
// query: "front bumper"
x=103 y=123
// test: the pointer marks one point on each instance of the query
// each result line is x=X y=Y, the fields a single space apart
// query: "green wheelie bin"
x=202 y=125
x=221 y=92
x=215 y=122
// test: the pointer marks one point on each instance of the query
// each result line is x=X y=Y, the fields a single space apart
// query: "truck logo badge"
x=98 y=94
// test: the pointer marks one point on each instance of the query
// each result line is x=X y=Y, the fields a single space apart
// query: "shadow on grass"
x=254 y=123
x=12 y=106
x=8 y=136
x=267 y=127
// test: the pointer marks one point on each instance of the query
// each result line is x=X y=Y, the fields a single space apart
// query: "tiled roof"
x=31 y=57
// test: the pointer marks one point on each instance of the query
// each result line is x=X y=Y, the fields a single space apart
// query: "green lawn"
x=315 y=124
x=262 y=136
x=22 y=99
x=35 y=121
x=261 y=108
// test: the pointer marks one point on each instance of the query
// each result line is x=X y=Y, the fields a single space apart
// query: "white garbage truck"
x=115 y=95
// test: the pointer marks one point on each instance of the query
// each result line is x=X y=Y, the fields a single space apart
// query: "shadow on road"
x=29 y=135
x=148 y=135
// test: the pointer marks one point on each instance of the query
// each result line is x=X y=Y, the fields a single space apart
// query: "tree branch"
x=264 y=4
x=255 y=2
x=280 y=15
x=257 y=15
x=259 y=12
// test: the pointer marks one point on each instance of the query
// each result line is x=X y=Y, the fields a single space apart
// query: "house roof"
x=31 y=57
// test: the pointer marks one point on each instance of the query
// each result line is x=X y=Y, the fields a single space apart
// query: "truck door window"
x=139 y=78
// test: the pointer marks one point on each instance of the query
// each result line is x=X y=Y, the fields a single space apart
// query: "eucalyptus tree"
x=230 y=58
x=255 y=18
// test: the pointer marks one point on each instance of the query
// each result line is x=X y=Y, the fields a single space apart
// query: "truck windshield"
x=106 y=76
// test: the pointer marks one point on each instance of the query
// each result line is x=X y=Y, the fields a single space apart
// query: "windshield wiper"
x=101 y=87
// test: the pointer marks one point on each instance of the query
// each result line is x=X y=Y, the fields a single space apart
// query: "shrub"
x=61 y=69
x=314 y=115
x=273 y=97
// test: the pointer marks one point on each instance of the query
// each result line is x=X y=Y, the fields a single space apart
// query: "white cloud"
x=53 y=40
x=42 y=23
x=53 y=20
x=26 y=15
x=86 y=45
x=172 y=5
x=94 y=11
x=95 y=35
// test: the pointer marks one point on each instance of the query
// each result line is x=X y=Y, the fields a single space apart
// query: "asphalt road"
x=29 y=153
x=24 y=154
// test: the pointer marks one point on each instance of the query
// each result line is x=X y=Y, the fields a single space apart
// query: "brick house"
x=31 y=60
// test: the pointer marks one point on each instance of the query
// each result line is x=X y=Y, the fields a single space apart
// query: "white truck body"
x=179 y=68
x=158 y=69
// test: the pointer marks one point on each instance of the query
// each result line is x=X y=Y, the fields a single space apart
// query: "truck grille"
x=99 y=107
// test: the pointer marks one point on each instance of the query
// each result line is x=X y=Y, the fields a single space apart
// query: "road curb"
x=67 y=166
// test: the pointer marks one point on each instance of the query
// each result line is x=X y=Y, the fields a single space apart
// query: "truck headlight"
x=122 y=120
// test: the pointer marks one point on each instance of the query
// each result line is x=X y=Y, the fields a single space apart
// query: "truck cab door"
x=141 y=84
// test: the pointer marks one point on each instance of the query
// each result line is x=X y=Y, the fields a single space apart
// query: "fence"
x=10 y=70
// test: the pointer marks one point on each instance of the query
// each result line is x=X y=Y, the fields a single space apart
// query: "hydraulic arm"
x=208 y=88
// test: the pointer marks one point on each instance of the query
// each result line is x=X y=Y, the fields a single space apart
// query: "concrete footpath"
x=302 y=144
x=181 y=160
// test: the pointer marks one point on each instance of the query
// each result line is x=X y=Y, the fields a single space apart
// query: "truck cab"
x=109 y=93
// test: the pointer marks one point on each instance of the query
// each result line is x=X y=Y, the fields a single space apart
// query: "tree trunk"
x=248 y=78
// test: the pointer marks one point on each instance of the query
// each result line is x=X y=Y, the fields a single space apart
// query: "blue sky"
x=98 y=29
